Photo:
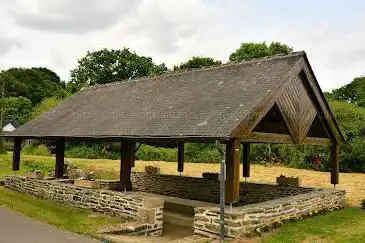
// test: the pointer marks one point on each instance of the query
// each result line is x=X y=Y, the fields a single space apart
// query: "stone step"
x=178 y=219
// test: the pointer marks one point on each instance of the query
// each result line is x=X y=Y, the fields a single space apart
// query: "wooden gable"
x=298 y=113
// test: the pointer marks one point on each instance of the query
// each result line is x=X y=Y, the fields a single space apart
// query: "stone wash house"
x=269 y=100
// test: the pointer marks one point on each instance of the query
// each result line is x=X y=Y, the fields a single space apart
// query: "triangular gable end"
x=272 y=122
x=317 y=129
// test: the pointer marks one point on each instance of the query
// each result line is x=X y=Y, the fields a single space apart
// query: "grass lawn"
x=343 y=226
x=60 y=215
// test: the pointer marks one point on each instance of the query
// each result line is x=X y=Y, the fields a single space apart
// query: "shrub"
x=363 y=204
x=41 y=149
x=33 y=166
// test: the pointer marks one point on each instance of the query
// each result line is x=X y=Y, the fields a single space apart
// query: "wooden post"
x=232 y=171
x=246 y=159
x=60 y=158
x=180 y=158
x=16 y=153
x=127 y=158
x=335 y=164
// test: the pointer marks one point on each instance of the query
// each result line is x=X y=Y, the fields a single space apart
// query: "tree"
x=105 y=66
x=353 y=92
x=251 y=50
x=16 y=108
x=34 y=84
x=197 y=62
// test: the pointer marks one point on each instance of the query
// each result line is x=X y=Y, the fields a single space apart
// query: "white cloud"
x=56 y=33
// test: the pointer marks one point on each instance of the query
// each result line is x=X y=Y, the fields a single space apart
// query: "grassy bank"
x=62 y=216
x=341 y=226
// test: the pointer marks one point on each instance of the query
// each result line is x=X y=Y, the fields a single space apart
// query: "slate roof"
x=202 y=103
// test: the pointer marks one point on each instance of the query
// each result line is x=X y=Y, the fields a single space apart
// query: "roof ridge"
x=194 y=70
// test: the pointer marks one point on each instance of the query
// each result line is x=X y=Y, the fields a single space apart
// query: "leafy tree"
x=197 y=62
x=46 y=105
x=34 y=84
x=353 y=92
x=251 y=50
x=105 y=66
x=17 y=108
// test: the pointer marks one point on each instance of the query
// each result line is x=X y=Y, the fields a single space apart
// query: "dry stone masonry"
x=148 y=211
x=203 y=189
x=247 y=219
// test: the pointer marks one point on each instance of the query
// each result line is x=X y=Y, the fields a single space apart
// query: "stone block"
x=87 y=184
x=35 y=175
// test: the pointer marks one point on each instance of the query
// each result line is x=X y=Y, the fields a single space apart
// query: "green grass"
x=60 y=215
x=345 y=225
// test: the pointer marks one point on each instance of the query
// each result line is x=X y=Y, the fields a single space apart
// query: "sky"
x=56 y=33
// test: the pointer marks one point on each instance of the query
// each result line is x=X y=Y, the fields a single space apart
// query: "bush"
x=33 y=166
x=41 y=149
x=363 y=204
x=147 y=152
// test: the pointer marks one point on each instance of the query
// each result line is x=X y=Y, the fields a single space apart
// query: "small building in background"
x=9 y=126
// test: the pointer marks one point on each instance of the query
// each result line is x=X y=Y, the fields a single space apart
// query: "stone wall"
x=146 y=210
x=202 y=189
x=246 y=219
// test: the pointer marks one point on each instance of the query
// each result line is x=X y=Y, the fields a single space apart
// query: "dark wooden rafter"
x=16 y=153
x=127 y=150
x=180 y=157
x=232 y=171
x=60 y=158
x=246 y=149
x=335 y=165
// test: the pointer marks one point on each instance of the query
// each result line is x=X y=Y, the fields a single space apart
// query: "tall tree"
x=251 y=50
x=105 y=66
x=353 y=92
x=197 y=62
x=16 y=108
x=34 y=84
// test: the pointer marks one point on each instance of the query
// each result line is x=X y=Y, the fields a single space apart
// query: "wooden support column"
x=232 y=171
x=246 y=148
x=16 y=153
x=126 y=160
x=60 y=158
x=335 y=164
x=180 y=157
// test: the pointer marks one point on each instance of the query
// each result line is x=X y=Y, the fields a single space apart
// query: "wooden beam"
x=261 y=137
x=317 y=141
x=335 y=164
x=180 y=157
x=246 y=147
x=60 y=158
x=232 y=171
x=16 y=153
x=127 y=158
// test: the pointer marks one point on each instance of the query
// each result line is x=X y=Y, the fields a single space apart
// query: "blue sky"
x=56 y=33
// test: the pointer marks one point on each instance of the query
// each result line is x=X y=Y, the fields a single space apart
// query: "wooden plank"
x=180 y=158
x=127 y=157
x=16 y=153
x=232 y=171
x=261 y=137
x=246 y=149
x=60 y=158
x=317 y=141
x=335 y=164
